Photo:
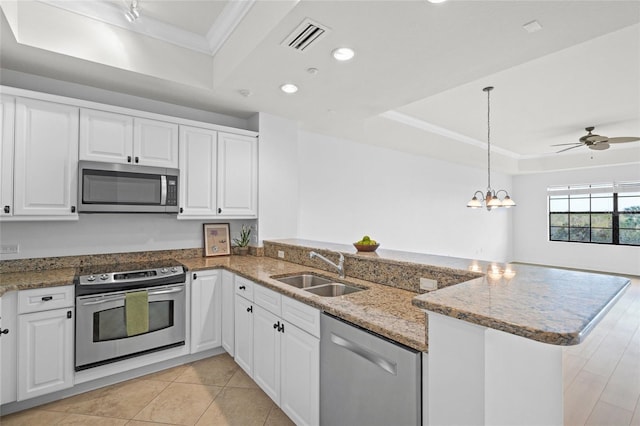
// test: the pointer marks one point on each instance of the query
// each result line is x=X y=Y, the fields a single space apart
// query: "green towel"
x=136 y=307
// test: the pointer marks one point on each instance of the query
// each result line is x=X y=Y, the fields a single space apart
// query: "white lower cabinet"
x=300 y=375
x=282 y=358
x=206 y=310
x=244 y=334
x=8 y=347
x=45 y=345
x=266 y=352
x=228 y=303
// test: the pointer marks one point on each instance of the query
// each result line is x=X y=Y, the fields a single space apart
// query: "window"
x=599 y=213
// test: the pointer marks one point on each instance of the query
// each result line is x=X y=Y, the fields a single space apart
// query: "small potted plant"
x=242 y=242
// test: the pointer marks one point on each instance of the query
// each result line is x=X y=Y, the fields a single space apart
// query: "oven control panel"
x=131 y=277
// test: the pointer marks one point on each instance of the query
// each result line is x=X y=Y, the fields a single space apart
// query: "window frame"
x=590 y=192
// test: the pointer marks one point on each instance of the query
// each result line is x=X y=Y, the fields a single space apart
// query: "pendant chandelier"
x=492 y=198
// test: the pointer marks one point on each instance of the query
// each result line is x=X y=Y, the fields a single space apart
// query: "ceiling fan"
x=597 y=142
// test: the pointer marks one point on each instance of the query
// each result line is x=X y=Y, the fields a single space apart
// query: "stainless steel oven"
x=103 y=334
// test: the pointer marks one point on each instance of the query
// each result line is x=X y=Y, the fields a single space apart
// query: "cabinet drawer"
x=268 y=299
x=302 y=316
x=44 y=299
x=244 y=288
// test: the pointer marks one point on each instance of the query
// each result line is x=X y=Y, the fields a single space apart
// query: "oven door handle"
x=122 y=296
x=104 y=300
x=166 y=291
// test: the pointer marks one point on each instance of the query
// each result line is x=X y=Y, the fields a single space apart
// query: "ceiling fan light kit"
x=492 y=198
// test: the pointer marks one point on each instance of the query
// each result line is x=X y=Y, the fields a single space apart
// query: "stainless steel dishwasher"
x=366 y=379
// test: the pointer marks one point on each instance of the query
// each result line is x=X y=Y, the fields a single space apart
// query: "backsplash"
x=370 y=267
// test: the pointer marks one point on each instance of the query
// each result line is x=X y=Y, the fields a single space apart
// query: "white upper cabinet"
x=46 y=159
x=237 y=175
x=118 y=138
x=155 y=143
x=7 y=118
x=198 y=168
x=105 y=136
x=218 y=174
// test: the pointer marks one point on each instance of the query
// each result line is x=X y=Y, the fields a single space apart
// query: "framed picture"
x=216 y=239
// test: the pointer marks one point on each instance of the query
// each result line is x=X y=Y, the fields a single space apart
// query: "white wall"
x=531 y=218
x=406 y=202
x=278 y=171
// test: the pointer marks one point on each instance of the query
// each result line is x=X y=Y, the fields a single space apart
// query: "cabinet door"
x=300 y=386
x=228 y=303
x=7 y=117
x=237 y=175
x=266 y=356
x=155 y=143
x=9 y=347
x=244 y=334
x=206 y=311
x=197 y=172
x=45 y=348
x=105 y=136
x=46 y=158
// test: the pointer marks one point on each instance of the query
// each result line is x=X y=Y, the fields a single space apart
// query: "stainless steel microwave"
x=125 y=188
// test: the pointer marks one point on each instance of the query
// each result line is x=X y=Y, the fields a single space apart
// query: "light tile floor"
x=213 y=391
x=601 y=380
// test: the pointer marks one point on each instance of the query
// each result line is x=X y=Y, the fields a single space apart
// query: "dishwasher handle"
x=369 y=355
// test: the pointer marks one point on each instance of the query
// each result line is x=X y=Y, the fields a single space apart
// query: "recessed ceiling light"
x=436 y=1
x=343 y=54
x=532 y=27
x=289 y=88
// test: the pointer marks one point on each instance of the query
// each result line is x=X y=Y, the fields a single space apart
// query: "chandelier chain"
x=489 y=140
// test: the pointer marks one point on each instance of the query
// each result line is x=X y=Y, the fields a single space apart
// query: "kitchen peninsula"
x=485 y=320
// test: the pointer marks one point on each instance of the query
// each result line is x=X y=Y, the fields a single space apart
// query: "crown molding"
x=112 y=13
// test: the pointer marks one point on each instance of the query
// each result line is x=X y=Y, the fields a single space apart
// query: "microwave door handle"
x=163 y=194
x=103 y=300
x=166 y=291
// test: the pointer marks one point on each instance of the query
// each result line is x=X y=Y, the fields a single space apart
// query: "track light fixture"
x=133 y=13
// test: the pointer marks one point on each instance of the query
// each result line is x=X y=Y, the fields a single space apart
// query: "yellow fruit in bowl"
x=366 y=238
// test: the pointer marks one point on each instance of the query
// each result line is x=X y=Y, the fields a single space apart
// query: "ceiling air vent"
x=305 y=35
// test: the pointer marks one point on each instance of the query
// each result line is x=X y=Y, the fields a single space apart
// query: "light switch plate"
x=281 y=254
x=428 y=284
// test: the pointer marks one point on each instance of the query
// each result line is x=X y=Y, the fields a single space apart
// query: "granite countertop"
x=384 y=310
x=549 y=305
x=554 y=306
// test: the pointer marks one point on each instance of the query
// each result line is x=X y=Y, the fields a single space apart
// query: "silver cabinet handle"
x=380 y=361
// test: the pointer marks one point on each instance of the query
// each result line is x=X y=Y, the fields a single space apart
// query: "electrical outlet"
x=9 y=249
x=428 y=284
x=281 y=254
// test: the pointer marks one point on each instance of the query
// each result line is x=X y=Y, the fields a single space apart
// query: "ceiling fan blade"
x=567 y=149
x=563 y=144
x=599 y=146
x=622 y=139
x=596 y=138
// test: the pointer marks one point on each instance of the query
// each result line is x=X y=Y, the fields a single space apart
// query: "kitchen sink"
x=332 y=289
x=304 y=280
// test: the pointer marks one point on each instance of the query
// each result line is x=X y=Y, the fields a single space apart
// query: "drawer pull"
x=47 y=298
x=242 y=287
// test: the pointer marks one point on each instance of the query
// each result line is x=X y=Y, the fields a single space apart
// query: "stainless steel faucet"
x=339 y=266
